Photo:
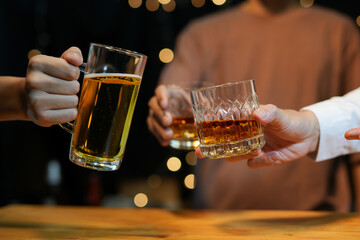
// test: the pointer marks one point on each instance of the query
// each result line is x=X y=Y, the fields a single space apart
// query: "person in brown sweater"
x=297 y=56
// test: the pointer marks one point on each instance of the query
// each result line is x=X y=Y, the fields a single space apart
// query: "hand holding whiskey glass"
x=224 y=121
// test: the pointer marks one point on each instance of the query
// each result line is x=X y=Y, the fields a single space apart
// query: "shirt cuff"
x=335 y=118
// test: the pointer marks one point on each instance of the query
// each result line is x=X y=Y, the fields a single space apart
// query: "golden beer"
x=104 y=116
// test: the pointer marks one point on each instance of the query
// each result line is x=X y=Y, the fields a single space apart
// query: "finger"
x=266 y=113
x=52 y=117
x=43 y=101
x=55 y=67
x=263 y=160
x=73 y=56
x=162 y=96
x=353 y=134
x=46 y=83
x=198 y=152
x=163 y=135
x=157 y=112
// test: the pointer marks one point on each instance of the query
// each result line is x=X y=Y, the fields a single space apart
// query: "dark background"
x=52 y=26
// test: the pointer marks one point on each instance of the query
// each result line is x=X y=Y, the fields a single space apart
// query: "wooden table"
x=60 y=222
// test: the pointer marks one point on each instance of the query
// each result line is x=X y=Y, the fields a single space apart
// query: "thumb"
x=73 y=56
x=269 y=113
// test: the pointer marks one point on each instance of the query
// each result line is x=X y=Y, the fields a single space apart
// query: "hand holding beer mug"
x=224 y=121
x=180 y=108
x=108 y=96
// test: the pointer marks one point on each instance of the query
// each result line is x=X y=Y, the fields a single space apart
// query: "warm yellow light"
x=152 y=5
x=166 y=55
x=135 y=3
x=306 y=3
x=358 y=21
x=198 y=3
x=218 y=2
x=170 y=6
x=173 y=164
x=33 y=53
x=154 y=181
x=164 y=1
x=140 y=200
x=191 y=158
x=189 y=181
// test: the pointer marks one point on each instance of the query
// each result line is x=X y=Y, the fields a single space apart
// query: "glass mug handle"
x=69 y=126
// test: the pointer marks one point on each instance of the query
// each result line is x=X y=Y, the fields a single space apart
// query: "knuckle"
x=72 y=114
x=35 y=62
x=42 y=117
x=33 y=98
x=73 y=73
x=74 y=87
x=75 y=100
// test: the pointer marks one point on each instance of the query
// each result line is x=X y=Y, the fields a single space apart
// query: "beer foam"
x=91 y=75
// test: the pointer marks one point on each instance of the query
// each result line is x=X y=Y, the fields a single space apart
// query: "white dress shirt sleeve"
x=336 y=116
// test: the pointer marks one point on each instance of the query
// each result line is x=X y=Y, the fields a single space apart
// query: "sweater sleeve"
x=336 y=116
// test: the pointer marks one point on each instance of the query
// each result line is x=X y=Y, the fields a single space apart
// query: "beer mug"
x=224 y=119
x=112 y=78
x=183 y=126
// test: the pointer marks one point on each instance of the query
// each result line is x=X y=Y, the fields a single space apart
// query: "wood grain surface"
x=65 y=222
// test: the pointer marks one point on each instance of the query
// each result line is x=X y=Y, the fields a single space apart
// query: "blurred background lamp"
x=170 y=6
x=189 y=181
x=198 y=3
x=135 y=3
x=152 y=5
x=166 y=55
x=306 y=3
x=191 y=158
x=154 y=181
x=33 y=53
x=140 y=200
x=164 y=1
x=173 y=164
x=218 y=2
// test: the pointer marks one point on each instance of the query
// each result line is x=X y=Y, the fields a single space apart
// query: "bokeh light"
x=154 y=181
x=218 y=2
x=164 y=1
x=173 y=164
x=306 y=3
x=198 y=3
x=140 y=200
x=33 y=53
x=191 y=158
x=152 y=5
x=166 y=55
x=189 y=181
x=358 y=21
x=170 y=6
x=135 y=3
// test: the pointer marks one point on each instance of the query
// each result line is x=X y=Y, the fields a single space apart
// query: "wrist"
x=13 y=98
x=313 y=133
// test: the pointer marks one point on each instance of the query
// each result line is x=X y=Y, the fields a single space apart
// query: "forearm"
x=12 y=99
